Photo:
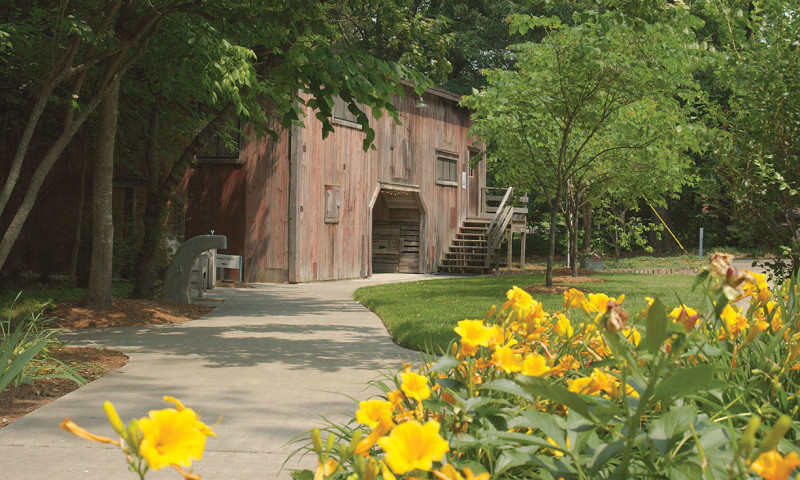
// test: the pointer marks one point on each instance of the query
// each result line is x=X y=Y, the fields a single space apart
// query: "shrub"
x=701 y=391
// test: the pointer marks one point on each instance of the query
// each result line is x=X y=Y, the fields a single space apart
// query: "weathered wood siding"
x=403 y=155
x=300 y=209
x=266 y=217
x=248 y=203
x=329 y=250
x=215 y=200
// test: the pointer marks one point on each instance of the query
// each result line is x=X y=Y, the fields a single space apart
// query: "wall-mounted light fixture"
x=421 y=103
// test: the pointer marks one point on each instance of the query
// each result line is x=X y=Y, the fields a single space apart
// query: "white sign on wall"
x=464 y=180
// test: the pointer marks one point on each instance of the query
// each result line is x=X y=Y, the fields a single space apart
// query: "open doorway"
x=397 y=231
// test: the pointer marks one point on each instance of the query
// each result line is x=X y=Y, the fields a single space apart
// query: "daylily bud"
x=776 y=434
x=748 y=440
x=113 y=418
x=316 y=441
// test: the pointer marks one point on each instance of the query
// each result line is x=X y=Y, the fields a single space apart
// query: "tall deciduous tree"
x=759 y=143
x=255 y=74
x=594 y=104
x=84 y=63
x=249 y=54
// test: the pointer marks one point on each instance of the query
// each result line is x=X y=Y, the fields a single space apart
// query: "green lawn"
x=421 y=315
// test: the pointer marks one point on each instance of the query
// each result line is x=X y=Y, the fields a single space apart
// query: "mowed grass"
x=421 y=315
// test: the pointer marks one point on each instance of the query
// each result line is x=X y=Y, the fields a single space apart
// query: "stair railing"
x=502 y=217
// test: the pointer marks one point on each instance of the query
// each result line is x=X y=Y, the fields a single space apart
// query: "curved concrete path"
x=270 y=360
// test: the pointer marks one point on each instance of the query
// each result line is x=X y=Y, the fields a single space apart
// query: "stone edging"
x=653 y=271
x=643 y=271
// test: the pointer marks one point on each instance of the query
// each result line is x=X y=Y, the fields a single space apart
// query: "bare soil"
x=562 y=283
x=91 y=363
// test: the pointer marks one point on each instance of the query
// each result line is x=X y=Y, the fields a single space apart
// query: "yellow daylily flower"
x=633 y=335
x=518 y=299
x=565 y=364
x=448 y=472
x=74 y=429
x=172 y=436
x=573 y=298
x=413 y=446
x=323 y=471
x=507 y=360
x=381 y=429
x=415 y=386
x=735 y=322
x=534 y=365
x=757 y=287
x=473 y=334
x=687 y=316
x=562 y=326
x=599 y=303
x=372 y=412
x=774 y=466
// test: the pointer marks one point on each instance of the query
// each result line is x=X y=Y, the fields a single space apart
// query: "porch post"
x=510 y=237
x=522 y=253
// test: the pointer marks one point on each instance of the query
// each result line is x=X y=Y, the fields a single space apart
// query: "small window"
x=342 y=115
x=223 y=147
x=446 y=168
x=333 y=205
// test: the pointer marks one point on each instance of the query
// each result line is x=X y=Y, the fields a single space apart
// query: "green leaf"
x=551 y=425
x=686 y=381
x=656 y=326
x=666 y=431
x=506 y=386
x=699 y=279
x=605 y=452
x=556 y=393
x=302 y=475
x=444 y=364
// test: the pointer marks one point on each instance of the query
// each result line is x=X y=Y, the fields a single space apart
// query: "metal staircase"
x=475 y=248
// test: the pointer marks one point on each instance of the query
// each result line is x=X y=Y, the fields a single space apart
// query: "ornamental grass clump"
x=171 y=437
x=592 y=391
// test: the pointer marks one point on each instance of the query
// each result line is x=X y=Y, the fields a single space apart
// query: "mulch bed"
x=91 y=363
x=126 y=312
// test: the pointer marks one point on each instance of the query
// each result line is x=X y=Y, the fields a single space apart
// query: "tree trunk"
x=40 y=174
x=76 y=238
x=146 y=265
x=573 y=233
x=146 y=268
x=98 y=292
x=554 y=208
x=588 y=211
x=620 y=227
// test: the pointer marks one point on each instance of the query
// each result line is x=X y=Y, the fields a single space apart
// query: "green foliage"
x=602 y=106
x=757 y=92
x=703 y=394
x=24 y=348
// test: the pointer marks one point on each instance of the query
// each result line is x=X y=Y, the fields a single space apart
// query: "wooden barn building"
x=303 y=209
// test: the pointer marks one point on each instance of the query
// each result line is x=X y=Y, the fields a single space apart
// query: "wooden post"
x=510 y=237
x=522 y=253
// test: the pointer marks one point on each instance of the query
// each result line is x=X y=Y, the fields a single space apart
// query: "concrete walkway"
x=271 y=360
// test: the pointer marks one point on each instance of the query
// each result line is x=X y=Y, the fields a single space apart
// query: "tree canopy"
x=604 y=104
